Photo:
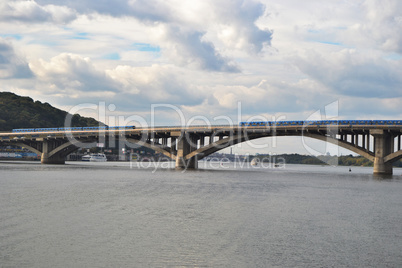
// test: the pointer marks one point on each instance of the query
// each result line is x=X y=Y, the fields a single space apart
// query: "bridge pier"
x=185 y=145
x=46 y=157
x=55 y=159
x=383 y=146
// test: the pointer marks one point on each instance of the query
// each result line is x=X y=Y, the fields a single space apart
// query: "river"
x=222 y=215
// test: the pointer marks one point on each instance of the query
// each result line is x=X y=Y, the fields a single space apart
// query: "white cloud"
x=381 y=26
x=155 y=84
x=12 y=65
x=351 y=73
x=236 y=25
x=72 y=76
x=192 y=39
x=30 y=11
x=69 y=71
x=189 y=48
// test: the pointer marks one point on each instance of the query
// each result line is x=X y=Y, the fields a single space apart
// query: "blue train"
x=23 y=130
x=324 y=123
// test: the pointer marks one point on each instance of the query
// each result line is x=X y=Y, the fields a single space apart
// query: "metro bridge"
x=380 y=144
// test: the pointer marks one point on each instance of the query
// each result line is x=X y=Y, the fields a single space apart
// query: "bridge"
x=380 y=144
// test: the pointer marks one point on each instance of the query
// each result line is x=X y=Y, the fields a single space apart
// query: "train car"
x=94 y=128
x=310 y=122
x=379 y=122
x=394 y=122
x=129 y=127
x=343 y=122
x=22 y=130
x=296 y=123
x=46 y=129
x=69 y=128
x=121 y=127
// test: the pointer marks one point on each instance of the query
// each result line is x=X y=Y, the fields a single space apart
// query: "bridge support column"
x=186 y=145
x=47 y=147
x=382 y=147
x=164 y=142
x=202 y=141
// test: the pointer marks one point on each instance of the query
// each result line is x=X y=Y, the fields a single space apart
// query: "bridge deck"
x=353 y=129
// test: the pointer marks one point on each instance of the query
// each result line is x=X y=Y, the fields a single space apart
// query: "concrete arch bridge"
x=186 y=145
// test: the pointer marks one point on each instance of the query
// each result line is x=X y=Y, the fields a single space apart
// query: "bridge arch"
x=393 y=157
x=230 y=141
x=219 y=145
x=66 y=148
x=154 y=146
x=351 y=147
x=32 y=149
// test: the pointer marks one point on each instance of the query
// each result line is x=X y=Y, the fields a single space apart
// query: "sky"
x=171 y=62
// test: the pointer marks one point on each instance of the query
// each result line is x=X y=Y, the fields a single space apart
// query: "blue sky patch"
x=145 y=47
x=112 y=56
x=15 y=36
x=81 y=36
x=393 y=56
x=330 y=43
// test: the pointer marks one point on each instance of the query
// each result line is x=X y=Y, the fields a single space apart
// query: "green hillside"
x=23 y=112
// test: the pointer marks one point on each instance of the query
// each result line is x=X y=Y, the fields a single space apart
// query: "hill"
x=23 y=112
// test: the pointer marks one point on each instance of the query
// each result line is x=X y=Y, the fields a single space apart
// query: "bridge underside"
x=382 y=147
x=186 y=147
x=53 y=150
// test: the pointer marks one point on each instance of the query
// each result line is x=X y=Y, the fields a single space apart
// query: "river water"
x=222 y=215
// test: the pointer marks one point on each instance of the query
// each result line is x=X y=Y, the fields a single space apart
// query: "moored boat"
x=95 y=157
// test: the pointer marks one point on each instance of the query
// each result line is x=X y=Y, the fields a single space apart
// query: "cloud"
x=30 y=11
x=12 y=65
x=147 y=10
x=373 y=108
x=191 y=40
x=350 y=73
x=71 y=76
x=269 y=98
x=72 y=72
x=189 y=48
x=237 y=25
x=156 y=84
x=380 y=27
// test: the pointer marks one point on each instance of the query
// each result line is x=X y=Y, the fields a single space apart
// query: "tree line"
x=23 y=112
x=344 y=160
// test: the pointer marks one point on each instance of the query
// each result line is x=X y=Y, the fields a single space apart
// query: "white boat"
x=95 y=157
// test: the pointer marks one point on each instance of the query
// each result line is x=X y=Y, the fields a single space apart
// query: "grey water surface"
x=222 y=215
